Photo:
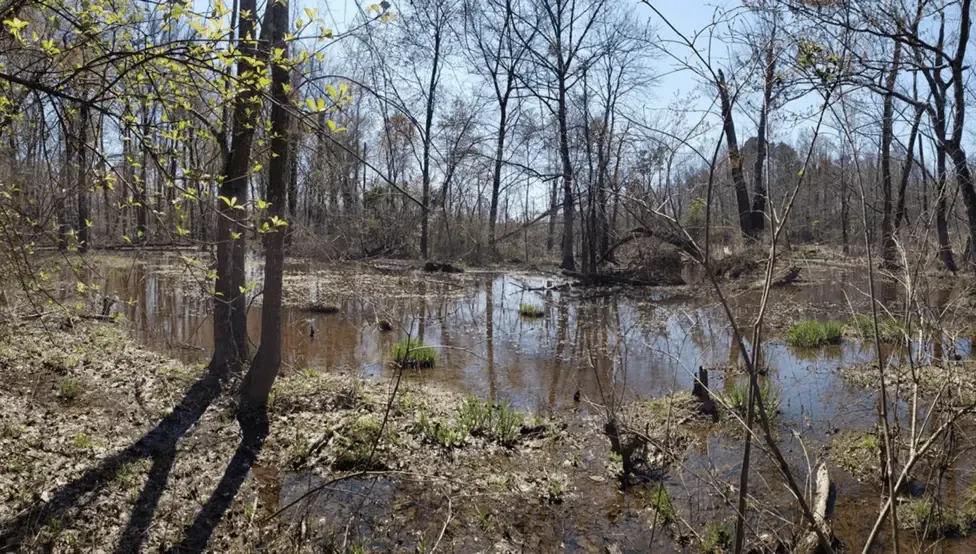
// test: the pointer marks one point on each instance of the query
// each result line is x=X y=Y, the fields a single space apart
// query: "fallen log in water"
x=607 y=280
x=822 y=511
x=442 y=267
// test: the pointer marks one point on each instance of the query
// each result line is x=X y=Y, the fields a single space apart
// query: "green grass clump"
x=413 y=353
x=531 y=310
x=716 y=538
x=810 y=334
x=500 y=423
x=889 y=328
x=737 y=396
x=661 y=502
x=355 y=445
x=68 y=389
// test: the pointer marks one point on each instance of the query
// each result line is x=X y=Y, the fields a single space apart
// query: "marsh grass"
x=737 y=397
x=811 y=334
x=531 y=310
x=889 y=328
x=414 y=354
x=661 y=502
x=500 y=423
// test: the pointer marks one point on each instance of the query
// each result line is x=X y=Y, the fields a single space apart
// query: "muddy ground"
x=93 y=458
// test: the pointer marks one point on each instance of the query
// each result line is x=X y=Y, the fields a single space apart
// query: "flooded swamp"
x=587 y=351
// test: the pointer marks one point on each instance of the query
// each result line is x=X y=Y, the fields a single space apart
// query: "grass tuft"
x=716 y=537
x=889 y=328
x=661 y=502
x=811 y=334
x=413 y=353
x=68 y=389
x=737 y=396
x=531 y=310
x=500 y=423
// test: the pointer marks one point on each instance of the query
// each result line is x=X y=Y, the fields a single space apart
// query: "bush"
x=810 y=334
x=531 y=310
x=413 y=353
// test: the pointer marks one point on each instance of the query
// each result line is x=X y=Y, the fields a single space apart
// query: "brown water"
x=644 y=343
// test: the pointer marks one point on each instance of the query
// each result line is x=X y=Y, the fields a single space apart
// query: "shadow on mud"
x=159 y=445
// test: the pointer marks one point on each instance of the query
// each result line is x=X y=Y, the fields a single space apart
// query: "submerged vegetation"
x=811 y=334
x=413 y=353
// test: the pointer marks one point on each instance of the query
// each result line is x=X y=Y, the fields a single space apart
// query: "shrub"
x=810 y=334
x=413 y=353
x=531 y=310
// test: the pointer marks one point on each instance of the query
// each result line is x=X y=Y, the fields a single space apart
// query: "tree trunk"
x=941 y=220
x=81 y=152
x=230 y=303
x=267 y=361
x=428 y=126
x=889 y=253
x=735 y=158
x=567 y=175
x=496 y=178
x=293 y=145
x=758 y=214
x=901 y=212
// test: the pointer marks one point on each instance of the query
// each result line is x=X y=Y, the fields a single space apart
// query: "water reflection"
x=595 y=342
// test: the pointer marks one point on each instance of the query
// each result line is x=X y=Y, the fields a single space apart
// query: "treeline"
x=453 y=128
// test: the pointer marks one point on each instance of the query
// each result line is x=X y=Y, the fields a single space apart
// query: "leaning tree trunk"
x=735 y=158
x=267 y=361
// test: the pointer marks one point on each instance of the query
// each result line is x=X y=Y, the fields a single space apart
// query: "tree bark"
x=889 y=253
x=267 y=361
x=428 y=126
x=735 y=158
x=82 y=183
x=230 y=302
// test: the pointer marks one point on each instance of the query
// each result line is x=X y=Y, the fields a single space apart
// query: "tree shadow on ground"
x=159 y=445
